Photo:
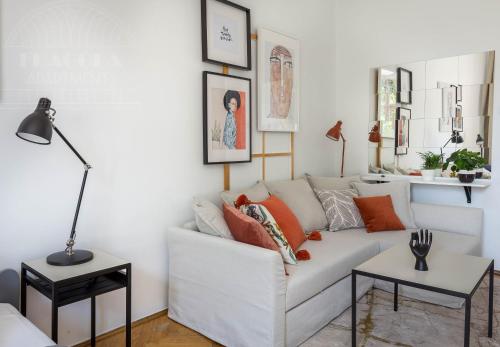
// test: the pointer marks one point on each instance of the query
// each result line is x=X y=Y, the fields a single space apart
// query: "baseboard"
x=122 y=328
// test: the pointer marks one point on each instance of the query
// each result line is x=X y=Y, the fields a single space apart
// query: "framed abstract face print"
x=227 y=136
x=278 y=63
x=226 y=34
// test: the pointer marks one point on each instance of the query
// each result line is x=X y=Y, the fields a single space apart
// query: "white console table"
x=439 y=181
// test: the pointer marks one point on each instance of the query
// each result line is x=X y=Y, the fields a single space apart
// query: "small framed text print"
x=226 y=34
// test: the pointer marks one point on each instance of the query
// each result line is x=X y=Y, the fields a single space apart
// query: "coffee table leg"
x=353 y=309
x=490 y=302
x=395 y=296
x=55 y=312
x=467 y=322
x=23 y=291
x=92 y=321
x=128 y=323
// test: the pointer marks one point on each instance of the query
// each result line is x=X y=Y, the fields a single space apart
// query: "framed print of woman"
x=226 y=119
x=232 y=102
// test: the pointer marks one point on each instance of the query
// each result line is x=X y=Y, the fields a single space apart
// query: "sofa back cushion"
x=331 y=183
x=378 y=213
x=247 y=230
x=400 y=194
x=257 y=192
x=455 y=219
x=210 y=219
x=300 y=198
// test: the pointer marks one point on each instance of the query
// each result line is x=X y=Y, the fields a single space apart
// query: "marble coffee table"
x=449 y=273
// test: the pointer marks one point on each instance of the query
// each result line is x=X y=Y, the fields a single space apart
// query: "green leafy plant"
x=431 y=161
x=464 y=160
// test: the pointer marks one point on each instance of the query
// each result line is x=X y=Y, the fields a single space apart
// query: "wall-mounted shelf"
x=438 y=181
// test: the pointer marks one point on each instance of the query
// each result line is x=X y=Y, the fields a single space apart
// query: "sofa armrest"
x=232 y=292
x=457 y=219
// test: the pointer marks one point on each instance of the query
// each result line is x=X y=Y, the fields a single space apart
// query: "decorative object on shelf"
x=465 y=163
x=405 y=86
x=37 y=128
x=420 y=245
x=227 y=136
x=278 y=62
x=431 y=164
x=374 y=134
x=226 y=34
x=403 y=116
x=335 y=134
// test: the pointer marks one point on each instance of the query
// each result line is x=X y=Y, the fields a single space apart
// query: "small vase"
x=427 y=175
x=479 y=173
x=466 y=176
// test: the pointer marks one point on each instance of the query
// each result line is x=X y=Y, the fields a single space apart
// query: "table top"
x=449 y=271
x=101 y=262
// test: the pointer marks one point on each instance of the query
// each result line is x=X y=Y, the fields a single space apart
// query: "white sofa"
x=239 y=295
x=16 y=330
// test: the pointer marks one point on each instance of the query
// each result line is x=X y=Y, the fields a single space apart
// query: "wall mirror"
x=438 y=105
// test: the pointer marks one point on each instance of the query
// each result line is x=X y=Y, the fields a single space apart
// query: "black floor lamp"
x=37 y=128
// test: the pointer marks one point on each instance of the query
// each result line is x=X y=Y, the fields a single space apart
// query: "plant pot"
x=427 y=175
x=437 y=172
x=466 y=176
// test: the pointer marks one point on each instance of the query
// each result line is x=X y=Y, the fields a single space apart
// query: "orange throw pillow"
x=246 y=229
x=378 y=213
x=287 y=221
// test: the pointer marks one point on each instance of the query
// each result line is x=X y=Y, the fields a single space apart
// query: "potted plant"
x=464 y=163
x=431 y=165
x=480 y=166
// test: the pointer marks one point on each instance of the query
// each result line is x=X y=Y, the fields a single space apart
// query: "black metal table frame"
x=71 y=290
x=398 y=282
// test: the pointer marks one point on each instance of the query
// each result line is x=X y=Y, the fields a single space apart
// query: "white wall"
x=125 y=77
x=377 y=33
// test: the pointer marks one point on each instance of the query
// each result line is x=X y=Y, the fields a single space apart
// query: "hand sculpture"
x=420 y=244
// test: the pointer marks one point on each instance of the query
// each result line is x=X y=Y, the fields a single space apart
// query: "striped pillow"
x=341 y=211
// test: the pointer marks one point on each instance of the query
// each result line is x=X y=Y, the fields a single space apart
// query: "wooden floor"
x=157 y=331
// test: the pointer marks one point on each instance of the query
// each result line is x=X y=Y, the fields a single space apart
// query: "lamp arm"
x=71 y=147
x=71 y=241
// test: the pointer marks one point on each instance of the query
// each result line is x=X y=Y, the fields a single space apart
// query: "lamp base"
x=63 y=259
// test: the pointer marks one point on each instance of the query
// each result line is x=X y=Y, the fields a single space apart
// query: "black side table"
x=65 y=285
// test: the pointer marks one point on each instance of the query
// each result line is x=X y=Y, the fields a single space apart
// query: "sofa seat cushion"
x=451 y=242
x=332 y=259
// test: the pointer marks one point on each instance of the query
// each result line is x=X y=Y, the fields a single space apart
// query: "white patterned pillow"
x=341 y=211
x=264 y=217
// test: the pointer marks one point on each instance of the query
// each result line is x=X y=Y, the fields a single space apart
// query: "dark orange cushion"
x=286 y=220
x=246 y=229
x=378 y=213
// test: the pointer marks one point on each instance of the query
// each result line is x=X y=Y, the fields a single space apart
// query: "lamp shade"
x=336 y=132
x=37 y=127
x=374 y=134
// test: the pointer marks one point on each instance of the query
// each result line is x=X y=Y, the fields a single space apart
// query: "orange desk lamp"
x=335 y=134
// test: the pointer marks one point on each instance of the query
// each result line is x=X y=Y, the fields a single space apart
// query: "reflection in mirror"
x=439 y=105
